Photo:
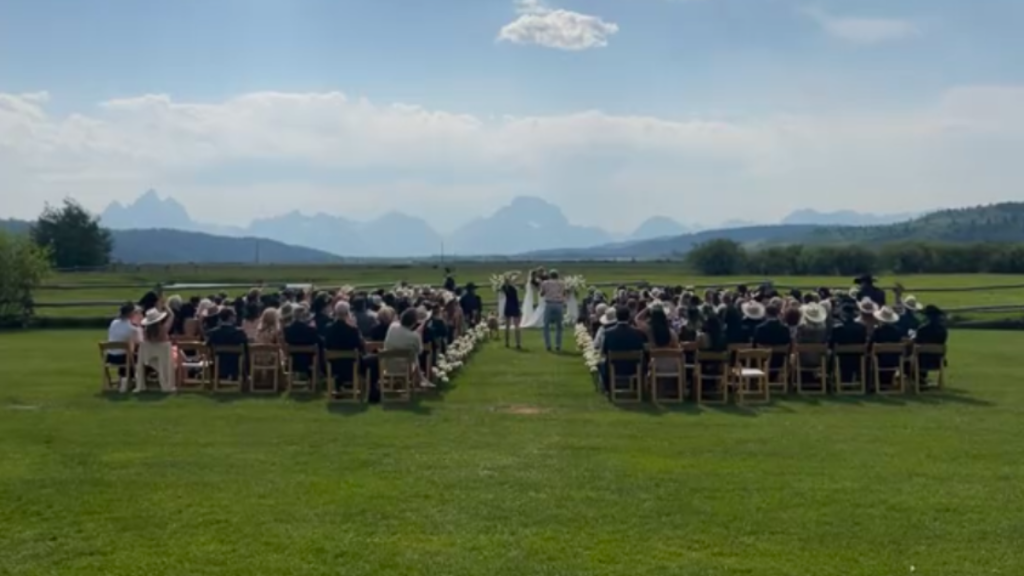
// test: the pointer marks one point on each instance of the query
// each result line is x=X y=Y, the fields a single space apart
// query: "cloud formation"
x=864 y=30
x=555 y=28
x=267 y=153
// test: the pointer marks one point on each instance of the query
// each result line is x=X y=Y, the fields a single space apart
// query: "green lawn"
x=519 y=468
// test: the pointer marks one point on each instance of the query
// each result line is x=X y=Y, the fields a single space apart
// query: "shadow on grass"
x=347 y=408
x=934 y=397
x=415 y=406
x=660 y=409
x=147 y=396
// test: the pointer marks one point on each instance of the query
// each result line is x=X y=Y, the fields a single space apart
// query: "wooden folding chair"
x=337 y=393
x=428 y=370
x=818 y=368
x=191 y=329
x=750 y=373
x=194 y=366
x=264 y=367
x=305 y=382
x=713 y=367
x=397 y=374
x=667 y=365
x=634 y=391
x=778 y=377
x=937 y=351
x=859 y=352
x=109 y=383
x=371 y=348
x=691 y=368
x=236 y=384
x=898 y=384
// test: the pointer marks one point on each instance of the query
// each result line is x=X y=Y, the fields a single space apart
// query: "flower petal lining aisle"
x=459 y=352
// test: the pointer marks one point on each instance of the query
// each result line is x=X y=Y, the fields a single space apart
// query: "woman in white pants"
x=155 y=350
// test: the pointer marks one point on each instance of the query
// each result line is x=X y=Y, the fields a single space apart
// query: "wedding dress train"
x=533 y=317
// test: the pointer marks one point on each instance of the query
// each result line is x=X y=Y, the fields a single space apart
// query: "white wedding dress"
x=533 y=317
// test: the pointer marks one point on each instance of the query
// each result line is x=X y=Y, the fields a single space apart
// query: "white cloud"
x=265 y=153
x=864 y=30
x=556 y=28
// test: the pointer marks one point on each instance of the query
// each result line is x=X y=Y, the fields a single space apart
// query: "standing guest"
x=449 y=280
x=621 y=337
x=301 y=333
x=364 y=318
x=123 y=329
x=229 y=334
x=149 y=300
x=155 y=350
x=471 y=304
x=553 y=292
x=867 y=289
x=251 y=320
x=344 y=336
x=513 y=312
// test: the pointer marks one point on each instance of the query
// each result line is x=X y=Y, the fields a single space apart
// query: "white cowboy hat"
x=754 y=310
x=609 y=317
x=868 y=306
x=814 y=313
x=153 y=316
x=911 y=303
x=886 y=315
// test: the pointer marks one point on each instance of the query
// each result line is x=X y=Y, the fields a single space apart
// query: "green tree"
x=718 y=258
x=23 y=265
x=73 y=237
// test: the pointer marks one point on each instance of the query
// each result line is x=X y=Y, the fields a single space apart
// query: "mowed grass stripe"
x=470 y=482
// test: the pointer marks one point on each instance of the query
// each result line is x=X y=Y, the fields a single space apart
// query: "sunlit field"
x=517 y=467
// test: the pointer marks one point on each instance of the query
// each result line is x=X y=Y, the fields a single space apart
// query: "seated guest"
x=772 y=333
x=792 y=318
x=406 y=335
x=174 y=303
x=365 y=320
x=343 y=336
x=690 y=330
x=850 y=331
x=621 y=337
x=228 y=334
x=596 y=317
x=251 y=320
x=813 y=330
x=932 y=333
x=753 y=317
x=269 y=329
x=732 y=317
x=385 y=317
x=209 y=319
x=608 y=320
x=868 y=308
x=321 y=318
x=124 y=329
x=301 y=333
x=887 y=332
x=909 y=322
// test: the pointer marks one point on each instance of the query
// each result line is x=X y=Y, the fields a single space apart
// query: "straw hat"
x=153 y=316
x=911 y=303
x=868 y=306
x=754 y=310
x=609 y=317
x=814 y=314
x=887 y=315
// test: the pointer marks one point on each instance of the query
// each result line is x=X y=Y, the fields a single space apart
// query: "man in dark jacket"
x=773 y=334
x=867 y=289
x=343 y=336
x=932 y=333
x=301 y=333
x=621 y=337
x=228 y=334
x=472 y=305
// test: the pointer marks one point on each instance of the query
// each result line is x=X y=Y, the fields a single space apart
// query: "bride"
x=533 y=317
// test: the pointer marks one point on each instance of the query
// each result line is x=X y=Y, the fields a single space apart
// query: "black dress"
x=512 y=308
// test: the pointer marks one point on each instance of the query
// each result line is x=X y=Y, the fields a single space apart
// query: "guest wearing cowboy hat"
x=753 y=316
x=867 y=289
x=155 y=350
x=887 y=333
x=933 y=332
x=868 y=308
x=909 y=322
x=607 y=320
x=813 y=330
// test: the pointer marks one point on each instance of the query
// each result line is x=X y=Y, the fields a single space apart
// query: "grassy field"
x=656 y=273
x=518 y=468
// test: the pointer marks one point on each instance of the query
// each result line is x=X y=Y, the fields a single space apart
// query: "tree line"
x=728 y=258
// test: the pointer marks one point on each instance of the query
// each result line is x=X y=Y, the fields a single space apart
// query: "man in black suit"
x=227 y=333
x=849 y=332
x=301 y=333
x=773 y=334
x=621 y=337
x=472 y=305
x=867 y=289
x=343 y=336
x=932 y=333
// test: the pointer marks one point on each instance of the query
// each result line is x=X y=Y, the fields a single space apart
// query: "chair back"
x=634 y=390
x=754 y=359
x=336 y=381
x=714 y=368
x=108 y=382
x=889 y=361
x=667 y=365
x=397 y=373
x=810 y=363
x=934 y=355
x=194 y=364
x=845 y=355
x=296 y=380
x=265 y=368
x=237 y=366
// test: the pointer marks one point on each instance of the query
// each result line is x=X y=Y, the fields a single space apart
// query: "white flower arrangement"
x=459 y=351
x=499 y=281
x=591 y=357
x=575 y=283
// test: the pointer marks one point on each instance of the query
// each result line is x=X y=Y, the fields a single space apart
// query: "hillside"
x=994 y=223
x=178 y=247
x=677 y=245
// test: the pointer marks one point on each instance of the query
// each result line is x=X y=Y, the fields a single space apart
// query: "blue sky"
x=794 y=100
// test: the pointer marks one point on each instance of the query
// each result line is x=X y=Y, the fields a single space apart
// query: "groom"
x=552 y=291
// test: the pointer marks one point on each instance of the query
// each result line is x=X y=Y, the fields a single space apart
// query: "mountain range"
x=526 y=224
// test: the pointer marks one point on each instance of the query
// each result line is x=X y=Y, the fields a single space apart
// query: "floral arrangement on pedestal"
x=499 y=281
x=585 y=344
x=575 y=284
x=459 y=351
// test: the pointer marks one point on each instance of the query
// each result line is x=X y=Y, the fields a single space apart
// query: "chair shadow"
x=934 y=397
x=415 y=406
x=661 y=409
x=347 y=408
x=147 y=396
